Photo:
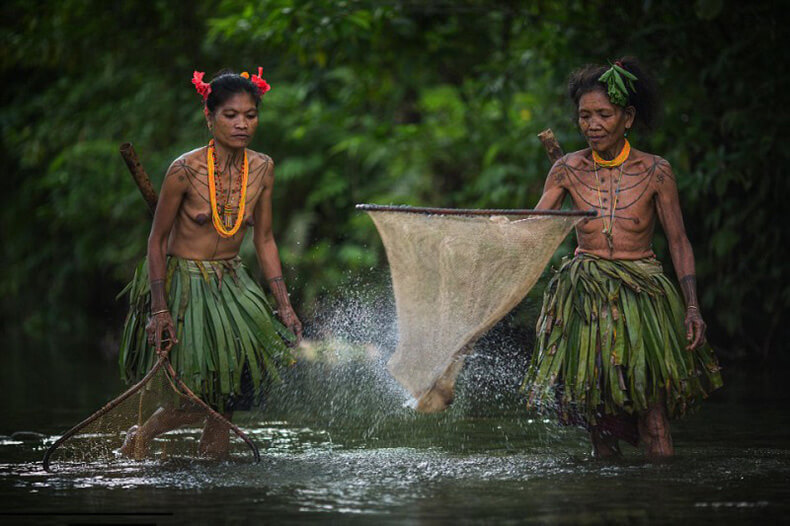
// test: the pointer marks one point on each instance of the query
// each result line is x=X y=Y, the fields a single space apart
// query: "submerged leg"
x=138 y=438
x=215 y=441
x=654 y=430
x=442 y=393
x=605 y=445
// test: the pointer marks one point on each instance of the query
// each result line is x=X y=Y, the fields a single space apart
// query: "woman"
x=611 y=351
x=202 y=306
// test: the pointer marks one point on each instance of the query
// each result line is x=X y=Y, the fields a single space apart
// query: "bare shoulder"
x=569 y=160
x=260 y=163
x=656 y=166
x=577 y=160
x=187 y=165
x=567 y=169
x=259 y=158
x=198 y=155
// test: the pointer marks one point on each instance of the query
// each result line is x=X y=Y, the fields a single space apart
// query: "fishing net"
x=162 y=404
x=454 y=277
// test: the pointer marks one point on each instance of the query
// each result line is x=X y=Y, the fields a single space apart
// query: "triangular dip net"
x=104 y=436
x=100 y=441
x=454 y=277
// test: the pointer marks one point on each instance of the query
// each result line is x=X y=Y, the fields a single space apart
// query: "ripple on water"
x=337 y=441
x=306 y=469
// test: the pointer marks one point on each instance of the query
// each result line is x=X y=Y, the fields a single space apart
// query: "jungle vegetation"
x=433 y=103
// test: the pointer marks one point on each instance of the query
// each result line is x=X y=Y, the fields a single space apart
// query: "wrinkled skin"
x=647 y=194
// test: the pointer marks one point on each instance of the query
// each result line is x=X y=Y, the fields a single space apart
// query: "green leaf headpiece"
x=616 y=86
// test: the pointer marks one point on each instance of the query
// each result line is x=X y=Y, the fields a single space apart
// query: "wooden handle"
x=139 y=175
x=552 y=145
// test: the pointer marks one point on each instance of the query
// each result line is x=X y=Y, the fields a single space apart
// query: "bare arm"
x=171 y=196
x=554 y=189
x=668 y=208
x=269 y=256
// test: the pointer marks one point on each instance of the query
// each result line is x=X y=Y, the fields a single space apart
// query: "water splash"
x=340 y=382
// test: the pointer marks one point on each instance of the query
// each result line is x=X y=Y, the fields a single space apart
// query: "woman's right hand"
x=161 y=332
x=291 y=321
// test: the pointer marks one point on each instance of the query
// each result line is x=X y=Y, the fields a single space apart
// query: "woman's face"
x=234 y=122
x=603 y=124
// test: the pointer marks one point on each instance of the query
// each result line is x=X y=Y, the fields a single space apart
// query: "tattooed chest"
x=623 y=197
x=197 y=207
x=623 y=200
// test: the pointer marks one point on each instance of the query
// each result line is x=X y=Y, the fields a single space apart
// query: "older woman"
x=200 y=304
x=611 y=351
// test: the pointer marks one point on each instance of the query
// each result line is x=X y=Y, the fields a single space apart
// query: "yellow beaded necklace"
x=617 y=161
x=223 y=229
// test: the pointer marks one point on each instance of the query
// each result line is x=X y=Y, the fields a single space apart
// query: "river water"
x=340 y=443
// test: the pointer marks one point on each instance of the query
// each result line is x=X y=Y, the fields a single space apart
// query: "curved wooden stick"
x=552 y=145
x=109 y=406
x=139 y=175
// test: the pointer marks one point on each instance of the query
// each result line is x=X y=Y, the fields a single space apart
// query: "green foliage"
x=615 y=86
x=434 y=103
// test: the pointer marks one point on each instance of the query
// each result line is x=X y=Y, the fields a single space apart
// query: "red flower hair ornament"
x=204 y=88
x=259 y=81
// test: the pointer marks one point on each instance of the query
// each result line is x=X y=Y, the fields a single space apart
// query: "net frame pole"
x=473 y=211
x=553 y=151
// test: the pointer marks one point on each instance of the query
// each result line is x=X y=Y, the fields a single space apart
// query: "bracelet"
x=692 y=307
x=160 y=312
x=276 y=278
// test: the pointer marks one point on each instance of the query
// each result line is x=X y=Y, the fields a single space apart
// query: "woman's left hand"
x=290 y=320
x=695 y=328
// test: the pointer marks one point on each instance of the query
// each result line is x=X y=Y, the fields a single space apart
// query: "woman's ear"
x=630 y=115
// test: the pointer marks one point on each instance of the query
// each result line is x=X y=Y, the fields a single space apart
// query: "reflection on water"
x=339 y=442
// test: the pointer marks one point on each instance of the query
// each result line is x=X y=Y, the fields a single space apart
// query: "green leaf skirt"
x=611 y=341
x=224 y=325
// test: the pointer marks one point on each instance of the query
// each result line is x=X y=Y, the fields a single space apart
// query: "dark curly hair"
x=225 y=85
x=644 y=98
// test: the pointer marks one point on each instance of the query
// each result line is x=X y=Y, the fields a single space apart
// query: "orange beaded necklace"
x=617 y=161
x=225 y=226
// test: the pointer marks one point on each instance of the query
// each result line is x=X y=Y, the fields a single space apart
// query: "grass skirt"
x=229 y=339
x=611 y=341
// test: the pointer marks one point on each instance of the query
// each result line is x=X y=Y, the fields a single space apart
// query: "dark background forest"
x=404 y=102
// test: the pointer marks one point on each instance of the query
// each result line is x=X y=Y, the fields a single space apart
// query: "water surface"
x=338 y=443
